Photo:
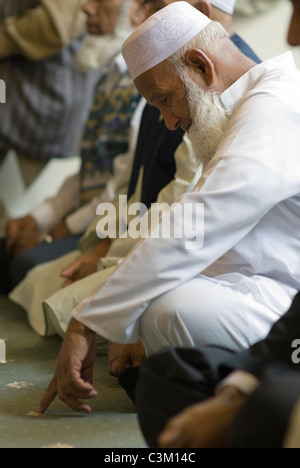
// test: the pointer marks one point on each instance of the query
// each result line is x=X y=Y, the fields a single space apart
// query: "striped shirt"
x=47 y=102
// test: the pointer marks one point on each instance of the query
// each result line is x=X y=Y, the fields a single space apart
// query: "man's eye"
x=166 y=101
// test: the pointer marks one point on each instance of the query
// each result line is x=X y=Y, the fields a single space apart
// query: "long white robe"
x=251 y=197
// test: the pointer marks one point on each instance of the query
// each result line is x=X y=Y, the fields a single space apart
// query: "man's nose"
x=89 y=7
x=172 y=121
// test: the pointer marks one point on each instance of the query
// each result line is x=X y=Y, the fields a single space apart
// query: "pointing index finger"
x=49 y=396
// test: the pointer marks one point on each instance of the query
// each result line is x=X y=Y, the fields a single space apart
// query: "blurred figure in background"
x=106 y=135
x=50 y=67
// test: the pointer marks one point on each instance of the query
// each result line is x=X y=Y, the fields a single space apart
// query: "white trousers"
x=231 y=311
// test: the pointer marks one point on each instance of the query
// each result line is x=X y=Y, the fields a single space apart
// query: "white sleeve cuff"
x=45 y=216
x=241 y=380
x=80 y=220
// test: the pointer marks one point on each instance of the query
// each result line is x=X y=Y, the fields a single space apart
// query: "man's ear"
x=201 y=64
x=203 y=6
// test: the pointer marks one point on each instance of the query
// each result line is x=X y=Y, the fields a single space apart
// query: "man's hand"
x=60 y=232
x=73 y=380
x=83 y=266
x=26 y=241
x=21 y=235
x=204 y=425
x=122 y=357
x=86 y=264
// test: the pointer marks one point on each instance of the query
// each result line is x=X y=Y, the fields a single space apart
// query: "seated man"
x=40 y=40
x=153 y=179
x=241 y=262
x=106 y=135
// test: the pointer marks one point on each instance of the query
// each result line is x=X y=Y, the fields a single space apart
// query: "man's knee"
x=177 y=320
x=159 y=324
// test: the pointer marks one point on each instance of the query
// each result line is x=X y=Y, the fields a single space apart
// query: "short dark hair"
x=157 y=4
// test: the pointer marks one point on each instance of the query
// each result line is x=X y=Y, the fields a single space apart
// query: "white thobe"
x=248 y=269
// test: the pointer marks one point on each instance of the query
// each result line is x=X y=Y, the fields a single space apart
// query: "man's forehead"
x=157 y=3
x=156 y=81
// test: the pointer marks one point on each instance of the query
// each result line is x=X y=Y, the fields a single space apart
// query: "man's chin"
x=94 y=31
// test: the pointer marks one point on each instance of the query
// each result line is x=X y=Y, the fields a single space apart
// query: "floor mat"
x=25 y=376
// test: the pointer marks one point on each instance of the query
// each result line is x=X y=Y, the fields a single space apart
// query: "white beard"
x=210 y=121
x=97 y=51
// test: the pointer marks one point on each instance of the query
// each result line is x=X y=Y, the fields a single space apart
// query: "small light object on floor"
x=2 y=352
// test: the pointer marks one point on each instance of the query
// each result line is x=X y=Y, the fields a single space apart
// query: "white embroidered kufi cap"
x=161 y=36
x=225 y=5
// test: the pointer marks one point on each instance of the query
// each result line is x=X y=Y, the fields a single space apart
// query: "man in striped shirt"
x=47 y=97
x=106 y=135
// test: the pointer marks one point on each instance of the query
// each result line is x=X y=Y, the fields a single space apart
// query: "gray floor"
x=31 y=361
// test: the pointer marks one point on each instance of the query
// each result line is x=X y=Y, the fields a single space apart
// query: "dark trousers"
x=174 y=379
x=14 y=270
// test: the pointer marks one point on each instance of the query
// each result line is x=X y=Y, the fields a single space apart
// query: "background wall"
x=266 y=32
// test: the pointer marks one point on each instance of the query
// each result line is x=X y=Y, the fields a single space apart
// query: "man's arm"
x=42 y=31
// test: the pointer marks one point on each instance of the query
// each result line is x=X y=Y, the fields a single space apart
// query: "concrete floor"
x=23 y=379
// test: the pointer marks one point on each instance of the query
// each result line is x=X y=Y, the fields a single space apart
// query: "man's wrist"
x=77 y=327
x=242 y=381
x=231 y=394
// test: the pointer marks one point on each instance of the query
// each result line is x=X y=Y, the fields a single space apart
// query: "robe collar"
x=236 y=93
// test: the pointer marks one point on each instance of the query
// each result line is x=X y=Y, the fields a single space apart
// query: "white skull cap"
x=161 y=36
x=225 y=5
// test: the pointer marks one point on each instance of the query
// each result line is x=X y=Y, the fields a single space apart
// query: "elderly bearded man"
x=255 y=406
x=154 y=165
x=232 y=288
